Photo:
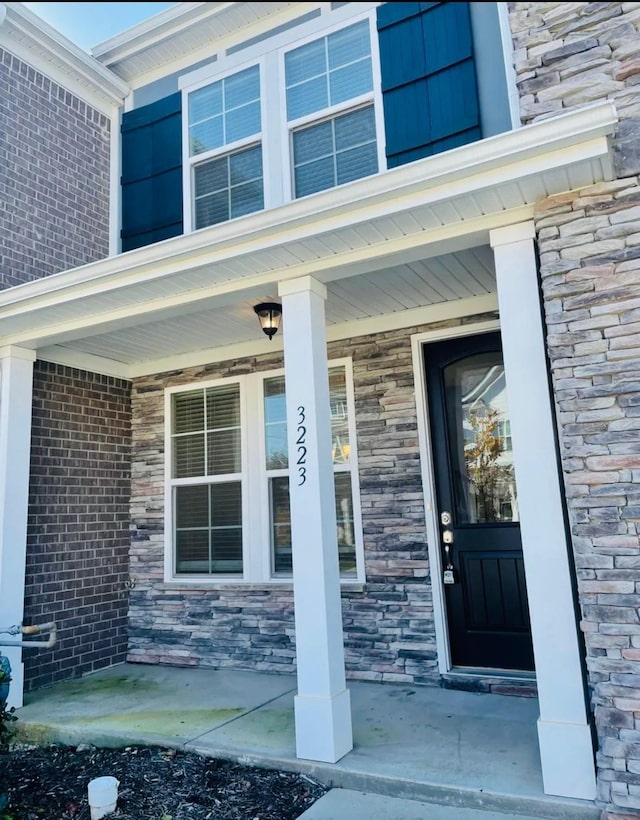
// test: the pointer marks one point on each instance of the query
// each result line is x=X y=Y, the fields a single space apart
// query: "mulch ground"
x=155 y=784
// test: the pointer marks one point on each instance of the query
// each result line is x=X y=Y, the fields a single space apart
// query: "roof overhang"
x=28 y=37
x=438 y=205
x=187 y=33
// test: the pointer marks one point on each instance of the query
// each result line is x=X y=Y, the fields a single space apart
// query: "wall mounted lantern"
x=269 y=314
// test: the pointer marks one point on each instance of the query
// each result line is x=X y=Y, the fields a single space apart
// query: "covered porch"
x=462 y=750
x=440 y=245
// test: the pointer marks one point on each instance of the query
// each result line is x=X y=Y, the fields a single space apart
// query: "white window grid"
x=277 y=155
x=256 y=518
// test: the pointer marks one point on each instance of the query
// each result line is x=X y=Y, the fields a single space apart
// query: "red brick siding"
x=54 y=176
x=78 y=526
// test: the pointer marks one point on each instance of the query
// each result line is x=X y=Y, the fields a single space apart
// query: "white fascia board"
x=165 y=26
x=149 y=31
x=31 y=39
x=575 y=136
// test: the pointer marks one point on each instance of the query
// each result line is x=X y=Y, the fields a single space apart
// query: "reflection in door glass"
x=479 y=435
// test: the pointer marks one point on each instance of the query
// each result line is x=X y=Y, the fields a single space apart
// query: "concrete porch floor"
x=419 y=752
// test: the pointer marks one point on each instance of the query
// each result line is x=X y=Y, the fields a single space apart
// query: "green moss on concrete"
x=35 y=733
x=90 y=686
x=160 y=722
x=274 y=721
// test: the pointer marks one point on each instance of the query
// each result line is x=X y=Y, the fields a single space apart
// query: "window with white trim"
x=224 y=134
x=292 y=115
x=330 y=110
x=228 y=507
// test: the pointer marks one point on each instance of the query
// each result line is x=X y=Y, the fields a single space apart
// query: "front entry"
x=484 y=580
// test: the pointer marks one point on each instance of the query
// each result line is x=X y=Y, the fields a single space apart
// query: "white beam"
x=566 y=748
x=344 y=330
x=322 y=705
x=16 y=377
x=39 y=331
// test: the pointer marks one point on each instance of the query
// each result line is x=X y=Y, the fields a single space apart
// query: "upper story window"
x=293 y=115
x=330 y=110
x=224 y=134
x=334 y=92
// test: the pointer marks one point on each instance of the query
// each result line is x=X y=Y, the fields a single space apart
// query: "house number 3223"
x=302 y=450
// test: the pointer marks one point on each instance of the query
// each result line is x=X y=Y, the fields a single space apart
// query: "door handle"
x=447 y=540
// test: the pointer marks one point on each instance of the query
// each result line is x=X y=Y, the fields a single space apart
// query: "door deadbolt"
x=447 y=537
x=445 y=518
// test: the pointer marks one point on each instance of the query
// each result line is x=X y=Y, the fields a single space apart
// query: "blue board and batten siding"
x=152 y=173
x=430 y=105
x=429 y=88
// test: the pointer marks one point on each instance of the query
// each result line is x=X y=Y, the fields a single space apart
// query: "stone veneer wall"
x=388 y=621
x=589 y=244
x=54 y=176
x=78 y=523
x=567 y=55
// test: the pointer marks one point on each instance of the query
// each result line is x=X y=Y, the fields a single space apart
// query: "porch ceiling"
x=390 y=246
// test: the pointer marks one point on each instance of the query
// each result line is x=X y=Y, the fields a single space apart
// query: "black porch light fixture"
x=269 y=314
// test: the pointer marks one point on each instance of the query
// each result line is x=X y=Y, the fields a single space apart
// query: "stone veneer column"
x=566 y=747
x=322 y=705
x=16 y=376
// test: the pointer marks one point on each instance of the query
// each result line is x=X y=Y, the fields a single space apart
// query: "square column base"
x=323 y=726
x=566 y=754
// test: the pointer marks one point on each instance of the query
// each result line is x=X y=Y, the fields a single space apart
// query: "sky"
x=87 y=24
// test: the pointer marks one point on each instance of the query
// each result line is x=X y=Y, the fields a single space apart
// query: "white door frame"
x=418 y=342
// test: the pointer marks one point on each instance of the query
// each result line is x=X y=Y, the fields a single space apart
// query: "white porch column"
x=566 y=746
x=322 y=705
x=16 y=377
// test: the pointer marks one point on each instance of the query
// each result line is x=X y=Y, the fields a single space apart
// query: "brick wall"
x=569 y=54
x=78 y=524
x=388 y=622
x=54 y=176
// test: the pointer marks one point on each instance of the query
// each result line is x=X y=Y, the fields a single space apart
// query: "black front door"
x=484 y=581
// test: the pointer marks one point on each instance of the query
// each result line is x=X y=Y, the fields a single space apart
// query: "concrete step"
x=340 y=804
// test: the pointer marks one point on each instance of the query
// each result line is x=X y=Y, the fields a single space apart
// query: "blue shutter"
x=152 y=173
x=428 y=79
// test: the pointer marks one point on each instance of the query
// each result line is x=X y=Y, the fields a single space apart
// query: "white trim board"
x=37 y=43
x=418 y=341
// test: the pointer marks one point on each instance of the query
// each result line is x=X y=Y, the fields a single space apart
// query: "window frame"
x=190 y=162
x=256 y=511
x=277 y=152
x=373 y=98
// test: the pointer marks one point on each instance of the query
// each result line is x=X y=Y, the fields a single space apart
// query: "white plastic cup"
x=103 y=796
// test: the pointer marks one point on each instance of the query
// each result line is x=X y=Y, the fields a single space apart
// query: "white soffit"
x=402 y=289
x=179 y=33
x=432 y=209
x=28 y=37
